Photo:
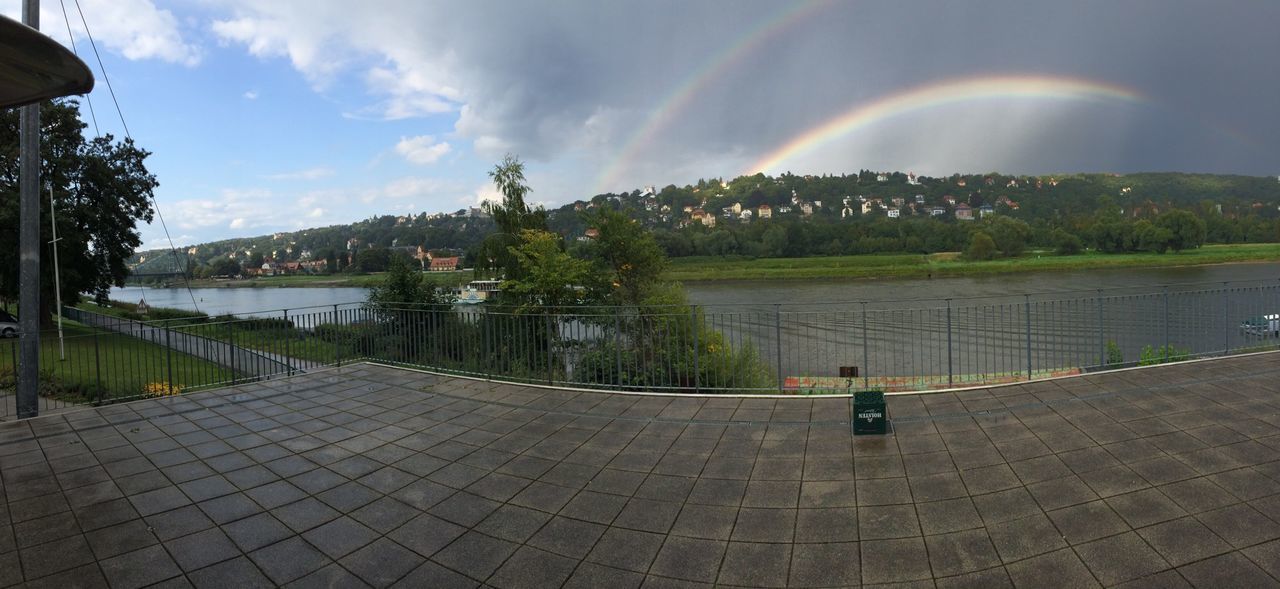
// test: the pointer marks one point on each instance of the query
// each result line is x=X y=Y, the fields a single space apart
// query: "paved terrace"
x=379 y=476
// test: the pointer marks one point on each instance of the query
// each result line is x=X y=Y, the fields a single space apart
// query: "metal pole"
x=693 y=320
x=617 y=342
x=866 y=352
x=777 y=340
x=1226 y=319
x=1102 y=343
x=57 y=281
x=168 y=358
x=288 y=335
x=337 y=338
x=950 y=371
x=29 y=244
x=1166 y=324
x=97 y=363
x=1026 y=306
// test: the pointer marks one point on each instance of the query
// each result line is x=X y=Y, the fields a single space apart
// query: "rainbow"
x=939 y=94
x=682 y=96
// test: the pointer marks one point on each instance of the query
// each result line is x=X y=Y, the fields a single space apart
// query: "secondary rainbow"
x=939 y=94
x=677 y=102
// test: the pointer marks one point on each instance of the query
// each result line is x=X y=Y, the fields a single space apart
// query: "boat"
x=477 y=291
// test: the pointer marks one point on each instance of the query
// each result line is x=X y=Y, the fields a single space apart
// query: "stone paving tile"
x=373 y=476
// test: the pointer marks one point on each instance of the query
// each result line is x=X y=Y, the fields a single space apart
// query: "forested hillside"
x=794 y=216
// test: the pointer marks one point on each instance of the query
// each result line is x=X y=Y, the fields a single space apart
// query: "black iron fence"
x=891 y=346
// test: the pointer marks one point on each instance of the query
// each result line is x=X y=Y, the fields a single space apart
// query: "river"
x=935 y=331
x=762 y=294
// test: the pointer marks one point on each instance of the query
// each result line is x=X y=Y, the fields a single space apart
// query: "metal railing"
x=787 y=349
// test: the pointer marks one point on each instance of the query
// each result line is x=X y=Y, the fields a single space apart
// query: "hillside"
x=806 y=215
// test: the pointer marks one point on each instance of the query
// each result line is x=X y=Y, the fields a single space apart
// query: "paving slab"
x=369 y=475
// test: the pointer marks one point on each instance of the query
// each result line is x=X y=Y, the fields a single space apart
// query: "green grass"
x=916 y=265
x=124 y=366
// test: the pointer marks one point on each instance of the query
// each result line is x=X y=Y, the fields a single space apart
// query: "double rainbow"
x=940 y=94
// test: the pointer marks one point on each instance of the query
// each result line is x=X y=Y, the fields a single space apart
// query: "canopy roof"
x=34 y=67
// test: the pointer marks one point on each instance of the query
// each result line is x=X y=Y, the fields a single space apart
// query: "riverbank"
x=321 y=281
x=696 y=269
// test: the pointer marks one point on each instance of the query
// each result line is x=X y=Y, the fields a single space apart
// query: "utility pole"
x=29 y=244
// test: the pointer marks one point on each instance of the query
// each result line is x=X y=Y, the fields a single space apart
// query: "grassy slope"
x=911 y=265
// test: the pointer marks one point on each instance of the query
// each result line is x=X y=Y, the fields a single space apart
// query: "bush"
x=1115 y=356
x=1162 y=354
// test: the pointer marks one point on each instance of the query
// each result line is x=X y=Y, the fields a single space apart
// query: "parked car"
x=1264 y=325
x=8 y=325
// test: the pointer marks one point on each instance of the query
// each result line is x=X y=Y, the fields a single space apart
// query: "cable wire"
x=72 y=39
x=181 y=266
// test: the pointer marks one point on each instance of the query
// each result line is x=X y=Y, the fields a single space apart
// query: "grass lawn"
x=950 y=264
x=124 y=366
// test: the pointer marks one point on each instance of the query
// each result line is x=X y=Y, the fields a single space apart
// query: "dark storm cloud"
x=580 y=79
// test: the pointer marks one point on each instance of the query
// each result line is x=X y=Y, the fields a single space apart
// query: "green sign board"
x=870 y=416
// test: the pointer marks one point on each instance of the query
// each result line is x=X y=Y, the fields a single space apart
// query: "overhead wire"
x=181 y=266
x=71 y=38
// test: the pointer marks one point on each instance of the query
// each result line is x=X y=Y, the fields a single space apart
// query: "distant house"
x=893 y=213
x=937 y=211
x=444 y=264
x=745 y=215
x=964 y=212
x=592 y=233
x=950 y=200
x=898 y=201
x=764 y=211
x=784 y=209
x=985 y=210
x=919 y=199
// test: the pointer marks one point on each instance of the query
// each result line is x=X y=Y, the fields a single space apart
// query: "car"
x=1263 y=325
x=8 y=325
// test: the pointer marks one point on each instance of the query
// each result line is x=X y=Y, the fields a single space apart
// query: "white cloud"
x=236 y=223
x=250 y=95
x=136 y=29
x=307 y=174
x=422 y=150
x=316 y=213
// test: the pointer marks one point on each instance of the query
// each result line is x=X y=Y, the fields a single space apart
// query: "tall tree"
x=513 y=216
x=101 y=190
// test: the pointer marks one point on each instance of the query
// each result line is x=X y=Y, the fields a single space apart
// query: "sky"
x=272 y=116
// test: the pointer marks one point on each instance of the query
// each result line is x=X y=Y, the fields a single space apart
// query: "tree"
x=631 y=260
x=1064 y=243
x=547 y=275
x=101 y=190
x=1186 y=230
x=404 y=287
x=255 y=260
x=981 y=247
x=224 y=267
x=374 y=259
x=513 y=216
x=1010 y=235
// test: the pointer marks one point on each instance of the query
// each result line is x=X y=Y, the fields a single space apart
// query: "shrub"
x=1162 y=354
x=981 y=247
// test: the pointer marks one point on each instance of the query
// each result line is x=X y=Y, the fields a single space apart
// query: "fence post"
x=617 y=342
x=231 y=349
x=550 y=355
x=693 y=327
x=1102 y=343
x=288 y=359
x=777 y=341
x=1166 y=324
x=337 y=339
x=1026 y=306
x=168 y=358
x=97 y=364
x=866 y=351
x=1226 y=319
x=950 y=369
